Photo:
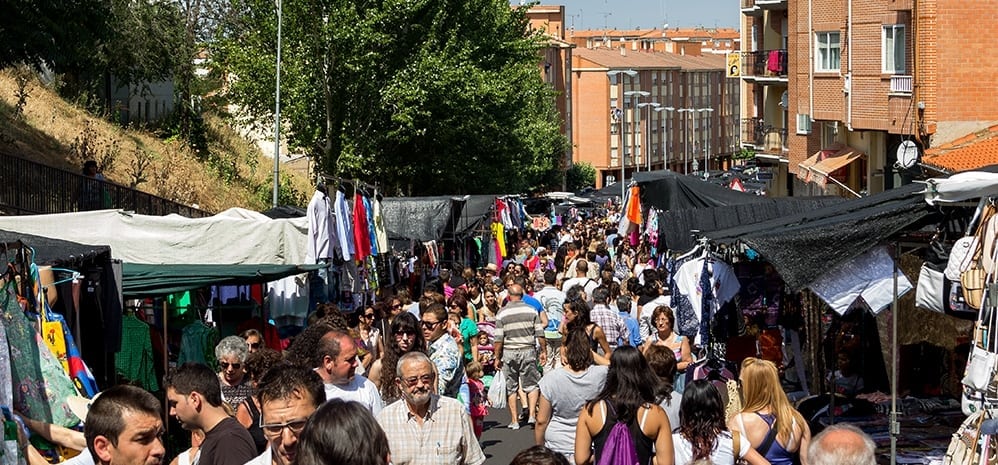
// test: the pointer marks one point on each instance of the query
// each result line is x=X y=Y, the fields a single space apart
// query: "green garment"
x=135 y=360
x=469 y=334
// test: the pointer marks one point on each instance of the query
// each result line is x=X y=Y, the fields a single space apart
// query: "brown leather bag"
x=974 y=279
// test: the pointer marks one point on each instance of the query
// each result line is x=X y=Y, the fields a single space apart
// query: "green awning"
x=140 y=280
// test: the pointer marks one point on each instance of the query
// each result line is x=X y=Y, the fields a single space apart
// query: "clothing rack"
x=357 y=184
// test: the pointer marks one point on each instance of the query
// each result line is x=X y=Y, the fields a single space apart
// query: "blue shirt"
x=533 y=302
x=633 y=328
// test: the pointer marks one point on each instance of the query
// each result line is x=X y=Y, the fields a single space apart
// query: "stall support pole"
x=166 y=367
x=895 y=427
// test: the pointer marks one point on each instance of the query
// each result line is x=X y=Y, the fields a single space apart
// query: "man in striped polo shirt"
x=518 y=325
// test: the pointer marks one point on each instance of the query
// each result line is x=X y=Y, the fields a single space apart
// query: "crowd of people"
x=578 y=324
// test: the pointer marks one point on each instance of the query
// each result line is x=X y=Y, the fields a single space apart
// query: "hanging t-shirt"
x=380 y=233
x=722 y=281
x=361 y=237
x=344 y=226
x=135 y=360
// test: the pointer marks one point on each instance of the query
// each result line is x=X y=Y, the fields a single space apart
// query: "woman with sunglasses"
x=368 y=337
x=231 y=353
x=406 y=336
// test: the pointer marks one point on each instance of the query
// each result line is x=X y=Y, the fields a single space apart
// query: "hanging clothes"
x=197 y=344
x=289 y=297
x=361 y=239
x=344 y=226
x=372 y=234
x=706 y=284
x=499 y=233
x=380 y=233
x=135 y=361
x=321 y=228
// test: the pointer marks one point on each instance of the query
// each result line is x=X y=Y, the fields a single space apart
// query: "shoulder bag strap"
x=736 y=446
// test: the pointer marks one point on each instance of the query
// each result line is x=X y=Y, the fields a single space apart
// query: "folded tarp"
x=55 y=252
x=804 y=246
x=676 y=227
x=139 y=280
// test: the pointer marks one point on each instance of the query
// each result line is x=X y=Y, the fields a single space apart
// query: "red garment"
x=361 y=238
x=270 y=335
x=773 y=62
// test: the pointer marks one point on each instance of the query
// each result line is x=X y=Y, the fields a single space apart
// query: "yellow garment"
x=499 y=232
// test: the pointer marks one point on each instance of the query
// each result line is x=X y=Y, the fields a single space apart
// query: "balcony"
x=901 y=85
x=764 y=137
x=765 y=66
x=756 y=7
x=749 y=8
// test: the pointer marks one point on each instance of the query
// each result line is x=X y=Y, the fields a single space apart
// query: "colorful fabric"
x=42 y=385
x=361 y=239
x=447 y=357
x=634 y=205
x=198 y=344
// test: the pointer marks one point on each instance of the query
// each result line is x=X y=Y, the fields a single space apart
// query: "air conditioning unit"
x=803 y=124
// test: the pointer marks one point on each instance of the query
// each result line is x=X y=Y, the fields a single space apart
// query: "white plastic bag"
x=497 y=391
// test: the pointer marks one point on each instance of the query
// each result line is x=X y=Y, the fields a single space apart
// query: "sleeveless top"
x=590 y=333
x=777 y=454
x=254 y=429
x=642 y=444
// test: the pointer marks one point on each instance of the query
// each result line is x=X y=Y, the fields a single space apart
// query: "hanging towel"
x=773 y=62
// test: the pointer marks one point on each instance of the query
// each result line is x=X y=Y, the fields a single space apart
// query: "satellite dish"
x=907 y=155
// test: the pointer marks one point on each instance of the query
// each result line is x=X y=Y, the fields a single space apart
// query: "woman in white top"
x=702 y=433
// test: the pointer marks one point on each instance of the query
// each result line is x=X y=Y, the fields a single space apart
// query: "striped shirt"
x=517 y=326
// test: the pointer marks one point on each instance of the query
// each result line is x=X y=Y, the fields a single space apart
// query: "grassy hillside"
x=57 y=133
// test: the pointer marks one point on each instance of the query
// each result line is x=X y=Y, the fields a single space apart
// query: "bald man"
x=842 y=444
x=519 y=332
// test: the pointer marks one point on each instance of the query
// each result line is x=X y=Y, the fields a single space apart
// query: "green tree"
x=580 y=175
x=424 y=96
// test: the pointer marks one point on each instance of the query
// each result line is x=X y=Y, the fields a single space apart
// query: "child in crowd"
x=479 y=409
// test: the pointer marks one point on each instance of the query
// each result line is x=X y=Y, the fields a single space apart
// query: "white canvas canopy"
x=960 y=187
x=235 y=236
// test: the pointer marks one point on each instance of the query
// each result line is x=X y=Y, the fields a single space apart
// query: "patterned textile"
x=611 y=323
x=198 y=344
x=447 y=357
x=42 y=385
x=445 y=435
x=135 y=360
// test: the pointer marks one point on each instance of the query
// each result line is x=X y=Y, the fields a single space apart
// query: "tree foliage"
x=580 y=176
x=424 y=96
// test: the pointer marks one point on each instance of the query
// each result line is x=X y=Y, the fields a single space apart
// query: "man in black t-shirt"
x=195 y=398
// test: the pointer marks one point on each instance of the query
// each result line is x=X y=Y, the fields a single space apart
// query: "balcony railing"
x=901 y=84
x=763 y=136
x=31 y=188
x=748 y=4
x=765 y=63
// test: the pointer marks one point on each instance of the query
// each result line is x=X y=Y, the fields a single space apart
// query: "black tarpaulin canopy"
x=419 y=218
x=55 y=252
x=474 y=214
x=676 y=227
x=143 y=280
x=667 y=190
x=804 y=246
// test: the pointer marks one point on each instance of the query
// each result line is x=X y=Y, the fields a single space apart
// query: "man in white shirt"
x=581 y=279
x=288 y=396
x=336 y=357
x=553 y=300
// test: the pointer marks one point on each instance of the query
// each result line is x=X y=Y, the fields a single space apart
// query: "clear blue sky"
x=647 y=14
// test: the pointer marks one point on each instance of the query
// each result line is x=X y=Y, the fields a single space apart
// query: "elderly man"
x=517 y=327
x=337 y=361
x=288 y=395
x=195 y=398
x=125 y=427
x=842 y=444
x=423 y=427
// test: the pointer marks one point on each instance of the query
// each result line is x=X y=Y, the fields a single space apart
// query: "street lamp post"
x=706 y=152
x=665 y=132
x=636 y=94
x=277 y=110
x=686 y=137
x=623 y=116
x=646 y=145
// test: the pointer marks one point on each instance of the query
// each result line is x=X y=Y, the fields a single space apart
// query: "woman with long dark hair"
x=576 y=316
x=332 y=432
x=406 y=336
x=702 y=433
x=628 y=396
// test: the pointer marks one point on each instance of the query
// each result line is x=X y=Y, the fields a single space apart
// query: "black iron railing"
x=765 y=63
x=763 y=136
x=30 y=188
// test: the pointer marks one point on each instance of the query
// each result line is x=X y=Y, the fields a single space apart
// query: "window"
x=827 y=51
x=893 y=49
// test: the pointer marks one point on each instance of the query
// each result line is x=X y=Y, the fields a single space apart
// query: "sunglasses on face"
x=405 y=333
x=398 y=305
x=226 y=365
x=367 y=315
x=253 y=345
x=413 y=380
x=429 y=324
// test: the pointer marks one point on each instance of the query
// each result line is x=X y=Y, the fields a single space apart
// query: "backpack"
x=619 y=447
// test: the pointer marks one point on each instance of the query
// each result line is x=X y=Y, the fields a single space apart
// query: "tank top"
x=642 y=444
x=254 y=429
x=777 y=454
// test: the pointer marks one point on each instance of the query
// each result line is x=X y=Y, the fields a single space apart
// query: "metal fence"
x=29 y=188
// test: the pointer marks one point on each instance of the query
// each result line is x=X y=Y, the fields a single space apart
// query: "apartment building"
x=638 y=110
x=681 y=41
x=861 y=78
x=556 y=61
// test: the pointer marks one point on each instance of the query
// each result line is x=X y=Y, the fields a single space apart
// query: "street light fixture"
x=623 y=115
x=665 y=131
x=646 y=144
x=637 y=95
x=706 y=152
x=277 y=109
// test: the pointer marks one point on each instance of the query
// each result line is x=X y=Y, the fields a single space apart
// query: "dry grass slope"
x=56 y=133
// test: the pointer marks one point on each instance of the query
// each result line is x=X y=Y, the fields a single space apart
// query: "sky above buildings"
x=647 y=14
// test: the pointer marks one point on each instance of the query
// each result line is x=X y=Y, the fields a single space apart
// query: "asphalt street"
x=500 y=443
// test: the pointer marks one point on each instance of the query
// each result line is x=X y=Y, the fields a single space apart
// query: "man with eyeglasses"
x=424 y=428
x=336 y=363
x=443 y=349
x=195 y=399
x=288 y=395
